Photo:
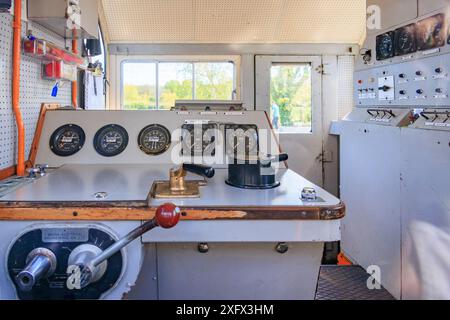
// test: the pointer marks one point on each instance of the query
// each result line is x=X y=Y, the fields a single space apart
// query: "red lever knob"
x=167 y=215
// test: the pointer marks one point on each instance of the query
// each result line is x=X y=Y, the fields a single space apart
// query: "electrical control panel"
x=412 y=83
x=406 y=66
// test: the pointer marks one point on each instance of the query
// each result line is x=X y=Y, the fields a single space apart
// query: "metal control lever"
x=37 y=169
x=166 y=216
x=41 y=263
x=42 y=168
x=267 y=160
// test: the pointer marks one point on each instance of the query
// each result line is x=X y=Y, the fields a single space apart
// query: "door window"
x=291 y=97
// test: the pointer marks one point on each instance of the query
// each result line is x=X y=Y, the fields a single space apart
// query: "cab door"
x=289 y=89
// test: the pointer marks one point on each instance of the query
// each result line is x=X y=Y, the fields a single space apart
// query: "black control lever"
x=281 y=157
x=378 y=111
x=201 y=170
x=269 y=159
x=384 y=88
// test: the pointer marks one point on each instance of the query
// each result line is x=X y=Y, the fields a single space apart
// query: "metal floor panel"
x=347 y=283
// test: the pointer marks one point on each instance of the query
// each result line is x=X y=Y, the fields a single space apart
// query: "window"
x=175 y=83
x=139 y=85
x=143 y=81
x=214 y=81
x=291 y=97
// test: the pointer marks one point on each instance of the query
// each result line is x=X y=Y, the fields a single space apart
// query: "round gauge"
x=67 y=140
x=199 y=142
x=385 y=46
x=431 y=32
x=154 y=139
x=111 y=140
x=242 y=139
x=405 y=40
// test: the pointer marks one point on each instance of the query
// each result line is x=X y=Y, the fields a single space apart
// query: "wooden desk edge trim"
x=69 y=211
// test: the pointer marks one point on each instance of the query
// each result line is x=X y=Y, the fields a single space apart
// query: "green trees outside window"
x=291 y=92
x=176 y=81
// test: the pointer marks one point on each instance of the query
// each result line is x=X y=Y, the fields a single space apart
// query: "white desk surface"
x=79 y=183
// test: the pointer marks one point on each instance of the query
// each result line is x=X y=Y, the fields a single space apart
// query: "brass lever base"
x=162 y=190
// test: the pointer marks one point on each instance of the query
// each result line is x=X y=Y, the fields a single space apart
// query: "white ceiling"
x=234 y=21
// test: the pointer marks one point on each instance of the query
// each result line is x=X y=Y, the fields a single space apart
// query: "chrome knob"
x=309 y=194
x=41 y=263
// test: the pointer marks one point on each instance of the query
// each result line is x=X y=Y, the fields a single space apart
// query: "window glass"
x=214 y=80
x=175 y=83
x=139 y=86
x=143 y=81
x=291 y=97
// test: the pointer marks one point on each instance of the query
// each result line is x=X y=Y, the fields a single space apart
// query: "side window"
x=158 y=84
x=139 y=86
x=214 y=80
x=175 y=83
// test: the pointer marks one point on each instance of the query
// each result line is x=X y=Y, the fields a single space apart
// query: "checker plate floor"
x=347 y=283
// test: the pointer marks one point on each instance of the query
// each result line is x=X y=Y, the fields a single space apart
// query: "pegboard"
x=33 y=89
x=345 y=88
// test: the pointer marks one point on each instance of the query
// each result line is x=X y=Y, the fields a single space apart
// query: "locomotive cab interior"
x=224 y=150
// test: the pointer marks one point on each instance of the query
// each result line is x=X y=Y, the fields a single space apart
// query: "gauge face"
x=199 y=139
x=111 y=140
x=154 y=139
x=241 y=139
x=385 y=46
x=431 y=32
x=67 y=140
x=405 y=40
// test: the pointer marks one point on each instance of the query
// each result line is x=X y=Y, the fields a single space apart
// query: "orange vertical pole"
x=74 y=83
x=17 y=28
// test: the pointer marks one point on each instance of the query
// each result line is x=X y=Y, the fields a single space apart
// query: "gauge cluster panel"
x=151 y=137
x=422 y=36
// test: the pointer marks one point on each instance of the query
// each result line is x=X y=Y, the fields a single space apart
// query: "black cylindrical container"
x=253 y=173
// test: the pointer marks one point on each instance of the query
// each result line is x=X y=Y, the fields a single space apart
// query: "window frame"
x=121 y=61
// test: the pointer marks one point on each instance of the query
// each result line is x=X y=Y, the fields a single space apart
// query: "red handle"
x=167 y=215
